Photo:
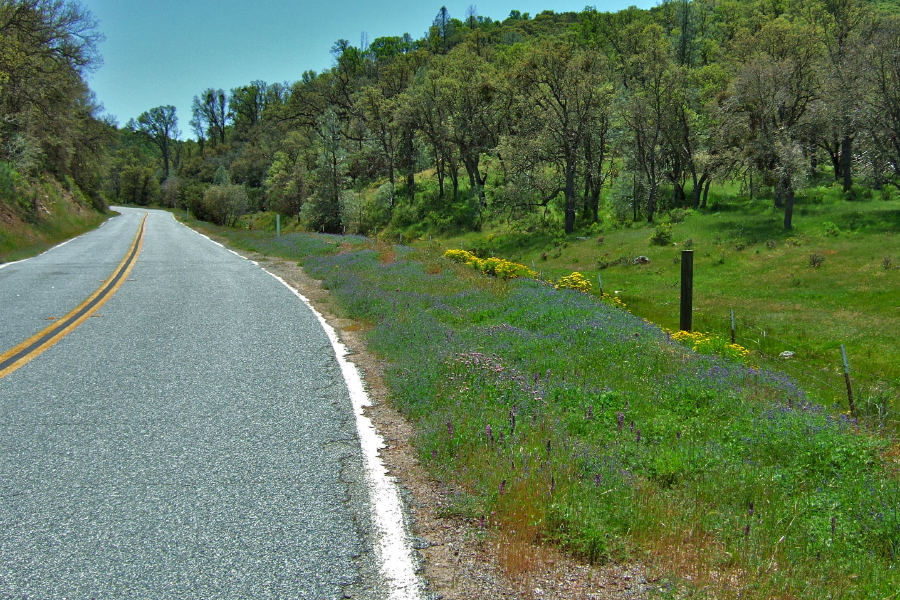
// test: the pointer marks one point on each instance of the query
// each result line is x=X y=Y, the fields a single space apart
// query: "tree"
x=247 y=103
x=883 y=108
x=160 y=125
x=564 y=98
x=48 y=112
x=647 y=94
x=837 y=121
x=442 y=31
x=766 y=104
x=211 y=112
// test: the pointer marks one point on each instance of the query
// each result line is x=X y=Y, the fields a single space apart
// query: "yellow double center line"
x=36 y=344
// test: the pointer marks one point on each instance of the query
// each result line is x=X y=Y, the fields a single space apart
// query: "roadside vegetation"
x=565 y=419
x=53 y=139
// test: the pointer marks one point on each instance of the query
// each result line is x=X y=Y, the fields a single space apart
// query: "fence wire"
x=865 y=384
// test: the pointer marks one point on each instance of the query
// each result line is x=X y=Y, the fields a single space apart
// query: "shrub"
x=678 y=215
x=223 y=204
x=495 y=267
x=816 y=260
x=575 y=281
x=708 y=343
x=662 y=235
x=831 y=229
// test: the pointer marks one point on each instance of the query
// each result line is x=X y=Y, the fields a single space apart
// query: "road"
x=192 y=438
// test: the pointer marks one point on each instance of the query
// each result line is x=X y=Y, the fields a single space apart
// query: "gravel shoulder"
x=461 y=561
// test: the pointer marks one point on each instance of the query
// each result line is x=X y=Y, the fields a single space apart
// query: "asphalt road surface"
x=193 y=438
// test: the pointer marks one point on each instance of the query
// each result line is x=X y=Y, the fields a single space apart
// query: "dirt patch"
x=462 y=560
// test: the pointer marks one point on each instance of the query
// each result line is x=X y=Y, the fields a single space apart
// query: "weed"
x=831 y=229
x=816 y=260
x=662 y=235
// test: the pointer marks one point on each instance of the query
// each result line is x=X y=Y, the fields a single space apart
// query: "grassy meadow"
x=568 y=420
x=744 y=261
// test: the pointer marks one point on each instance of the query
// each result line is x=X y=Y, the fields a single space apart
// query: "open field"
x=744 y=261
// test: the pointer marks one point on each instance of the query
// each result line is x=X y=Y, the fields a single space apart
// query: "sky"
x=160 y=52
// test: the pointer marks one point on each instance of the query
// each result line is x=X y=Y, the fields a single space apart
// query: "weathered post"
x=687 y=289
x=277 y=225
x=847 y=381
x=732 y=327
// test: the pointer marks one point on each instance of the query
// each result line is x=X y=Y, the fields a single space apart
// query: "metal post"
x=847 y=381
x=277 y=225
x=600 y=283
x=732 y=326
x=687 y=289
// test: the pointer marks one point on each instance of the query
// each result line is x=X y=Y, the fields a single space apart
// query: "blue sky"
x=160 y=52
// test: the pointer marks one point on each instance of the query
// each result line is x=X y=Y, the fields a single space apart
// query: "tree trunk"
x=706 y=192
x=698 y=190
x=651 y=202
x=846 y=167
x=570 y=195
x=439 y=164
x=410 y=168
x=788 y=205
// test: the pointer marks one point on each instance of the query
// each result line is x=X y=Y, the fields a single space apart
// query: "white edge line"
x=393 y=548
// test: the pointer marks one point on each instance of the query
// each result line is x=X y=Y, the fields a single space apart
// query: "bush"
x=496 y=267
x=678 y=215
x=831 y=229
x=223 y=204
x=662 y=235
x=575 y=281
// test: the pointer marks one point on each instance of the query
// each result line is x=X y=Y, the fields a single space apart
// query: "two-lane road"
x=193 y=438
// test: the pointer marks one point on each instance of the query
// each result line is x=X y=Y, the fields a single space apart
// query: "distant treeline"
x=565 y=117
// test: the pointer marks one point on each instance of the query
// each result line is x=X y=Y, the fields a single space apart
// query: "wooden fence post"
x=687 y=289
x=847 y=381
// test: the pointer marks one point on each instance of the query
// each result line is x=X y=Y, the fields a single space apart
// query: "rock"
x=641 y=260
x=787 y=354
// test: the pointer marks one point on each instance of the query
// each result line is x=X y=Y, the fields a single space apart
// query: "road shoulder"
x=461 y=560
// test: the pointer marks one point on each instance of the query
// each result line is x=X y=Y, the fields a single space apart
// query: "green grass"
x=744 y=261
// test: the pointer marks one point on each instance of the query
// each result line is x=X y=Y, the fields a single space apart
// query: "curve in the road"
x=23 y=353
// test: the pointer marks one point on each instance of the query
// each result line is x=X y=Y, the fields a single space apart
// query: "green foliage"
x=662 y=235
x=221 y=204
x=139 y=186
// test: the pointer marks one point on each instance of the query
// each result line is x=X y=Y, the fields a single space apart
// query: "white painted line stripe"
x=393 y=548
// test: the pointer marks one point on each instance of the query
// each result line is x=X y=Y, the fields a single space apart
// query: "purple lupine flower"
x=620 y=420
x=502 y=487
x=489 y=433
x=450 y=428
